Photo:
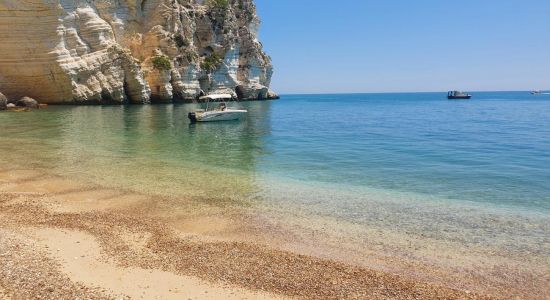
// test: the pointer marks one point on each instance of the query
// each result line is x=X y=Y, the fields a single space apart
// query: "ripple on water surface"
x=467 y=171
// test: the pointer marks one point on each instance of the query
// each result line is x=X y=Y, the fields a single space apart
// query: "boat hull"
x=459 y=97
x=217 y=116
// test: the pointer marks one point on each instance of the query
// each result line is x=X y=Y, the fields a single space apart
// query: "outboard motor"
x=193 y=117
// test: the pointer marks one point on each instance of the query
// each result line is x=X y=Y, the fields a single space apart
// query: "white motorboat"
x=218 y=113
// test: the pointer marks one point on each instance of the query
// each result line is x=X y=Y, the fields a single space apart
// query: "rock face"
x=3 y=102
x=105 y=51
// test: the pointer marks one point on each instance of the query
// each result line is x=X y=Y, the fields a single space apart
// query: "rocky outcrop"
x=27 y=103
x=3 y=102
x=102 y=51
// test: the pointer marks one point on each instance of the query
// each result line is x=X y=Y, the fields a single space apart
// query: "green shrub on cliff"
x=211 y=62
x=162 y=62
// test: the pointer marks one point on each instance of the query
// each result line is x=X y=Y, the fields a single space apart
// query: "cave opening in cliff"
x=207 y=51
x=143 y=5
x=106 y=97
x=240 y=92
x=204 y=83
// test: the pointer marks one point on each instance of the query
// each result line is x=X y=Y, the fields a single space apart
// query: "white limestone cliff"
x=107 y=51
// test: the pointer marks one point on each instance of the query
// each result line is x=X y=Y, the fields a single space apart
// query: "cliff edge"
x=131 y=51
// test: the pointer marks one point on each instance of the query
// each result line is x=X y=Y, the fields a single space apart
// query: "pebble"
x=239 y=264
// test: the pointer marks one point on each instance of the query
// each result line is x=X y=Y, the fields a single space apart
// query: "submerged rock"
x=27 y=103
x=131 y=51
x=3 y=102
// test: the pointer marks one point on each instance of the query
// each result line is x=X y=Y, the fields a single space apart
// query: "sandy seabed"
x=63 y=239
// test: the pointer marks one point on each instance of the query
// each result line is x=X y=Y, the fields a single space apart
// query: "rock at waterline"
x=272 y=95
x=28 y=103
x=3 y=102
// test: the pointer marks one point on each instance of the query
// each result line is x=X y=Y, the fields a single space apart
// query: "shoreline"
x=36 y=208
x=173 y=102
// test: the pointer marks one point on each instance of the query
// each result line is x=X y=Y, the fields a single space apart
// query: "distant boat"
x=458 y=95
x=536 y=92
x=219 y=113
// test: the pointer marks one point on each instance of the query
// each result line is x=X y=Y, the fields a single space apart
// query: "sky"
x=359 y=46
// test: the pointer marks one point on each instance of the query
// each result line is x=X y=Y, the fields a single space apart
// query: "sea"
x=412 y=174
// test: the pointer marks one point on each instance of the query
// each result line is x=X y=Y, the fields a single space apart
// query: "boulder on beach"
x=3 y=102
x=28 y=103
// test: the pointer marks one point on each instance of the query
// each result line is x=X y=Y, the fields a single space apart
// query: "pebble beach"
x=46 y=243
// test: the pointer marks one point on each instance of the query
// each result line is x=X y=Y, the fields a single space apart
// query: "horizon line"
x=404 y=92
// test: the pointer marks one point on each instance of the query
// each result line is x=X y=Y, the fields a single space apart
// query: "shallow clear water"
x=416 y=162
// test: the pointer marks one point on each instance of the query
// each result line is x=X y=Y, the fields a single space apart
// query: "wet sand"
x=66 y=239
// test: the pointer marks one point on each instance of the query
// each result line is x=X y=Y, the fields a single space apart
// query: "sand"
x=62 y=239
x=80 y=257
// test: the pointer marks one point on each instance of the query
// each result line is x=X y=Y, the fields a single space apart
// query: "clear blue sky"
x=403 y=45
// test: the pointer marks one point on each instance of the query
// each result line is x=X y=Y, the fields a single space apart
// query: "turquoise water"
x=494 y=149
x=461 y=186
x=417 y=162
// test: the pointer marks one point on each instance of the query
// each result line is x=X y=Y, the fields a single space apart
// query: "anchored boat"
x=452 y=95
x=218 y=111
